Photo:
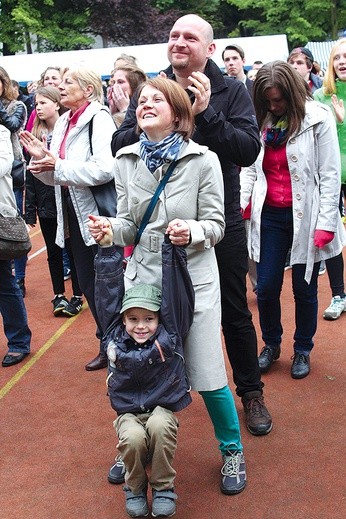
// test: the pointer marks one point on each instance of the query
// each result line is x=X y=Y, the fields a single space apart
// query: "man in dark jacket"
x=225 y=122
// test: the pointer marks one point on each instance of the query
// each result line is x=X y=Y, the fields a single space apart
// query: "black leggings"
x=335 y=266
x=84 y=261
x=55 y=258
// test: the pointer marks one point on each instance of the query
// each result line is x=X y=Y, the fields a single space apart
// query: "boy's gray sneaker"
x=136 y=504
x=116 y=474
x=233 y=473
x=163 y=504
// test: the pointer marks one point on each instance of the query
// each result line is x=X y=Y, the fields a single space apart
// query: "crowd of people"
x=215 y=174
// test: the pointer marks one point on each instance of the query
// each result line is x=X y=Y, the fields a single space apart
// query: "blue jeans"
x=276 y=240
x=66 y=260
x=13 y=311
x=20 y=263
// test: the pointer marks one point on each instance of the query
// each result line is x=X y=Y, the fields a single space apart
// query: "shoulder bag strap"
x=91 y=124
x=90 y=130
x=153 y=202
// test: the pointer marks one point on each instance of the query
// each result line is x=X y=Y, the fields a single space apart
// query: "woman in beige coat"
x=190 y=209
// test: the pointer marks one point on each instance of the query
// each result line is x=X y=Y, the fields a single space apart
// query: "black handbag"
x=18 y=173
x=105 y=198
x=14 y=237
x=105 y=195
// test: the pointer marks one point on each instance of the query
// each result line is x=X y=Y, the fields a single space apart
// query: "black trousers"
x=335 y=270
x=335 y=266
x=238 y=328
x=84 y=261
x=55 y=258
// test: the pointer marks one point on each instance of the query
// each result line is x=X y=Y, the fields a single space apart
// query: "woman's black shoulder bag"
x=105 y=195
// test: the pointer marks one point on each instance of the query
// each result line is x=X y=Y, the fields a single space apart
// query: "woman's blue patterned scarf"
x=155 y=154
x=276 y=134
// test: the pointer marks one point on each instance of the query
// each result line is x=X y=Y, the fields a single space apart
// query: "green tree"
x=54 y=25
x=210 y=10
x=300 y=20
x=137 y=22
x=11 y=33
x=204 y=8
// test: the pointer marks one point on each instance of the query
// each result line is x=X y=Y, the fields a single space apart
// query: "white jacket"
x=8 y=206
x=314 y=163
x=79 y=169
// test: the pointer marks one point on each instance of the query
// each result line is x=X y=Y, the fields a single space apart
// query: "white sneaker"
x=322 y=269
x=335 y=309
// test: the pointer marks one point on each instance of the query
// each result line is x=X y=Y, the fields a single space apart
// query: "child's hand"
x=101 y=230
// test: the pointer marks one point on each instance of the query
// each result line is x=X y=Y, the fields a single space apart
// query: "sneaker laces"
x=266 y=351
x=232 y=463
x=58 y=298
x=255 y=405
x=119 y=461
x=299 y=358
x=336 y=303
x=76 y=301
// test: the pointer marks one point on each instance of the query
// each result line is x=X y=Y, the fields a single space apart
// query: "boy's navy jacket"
x=142 y=377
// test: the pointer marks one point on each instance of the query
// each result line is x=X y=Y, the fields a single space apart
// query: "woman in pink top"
x=294 y=187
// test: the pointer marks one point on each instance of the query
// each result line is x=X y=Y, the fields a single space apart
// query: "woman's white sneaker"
x=335 y=309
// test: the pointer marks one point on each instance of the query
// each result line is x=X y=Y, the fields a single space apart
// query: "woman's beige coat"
x=194 y=193
x=314 y=163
